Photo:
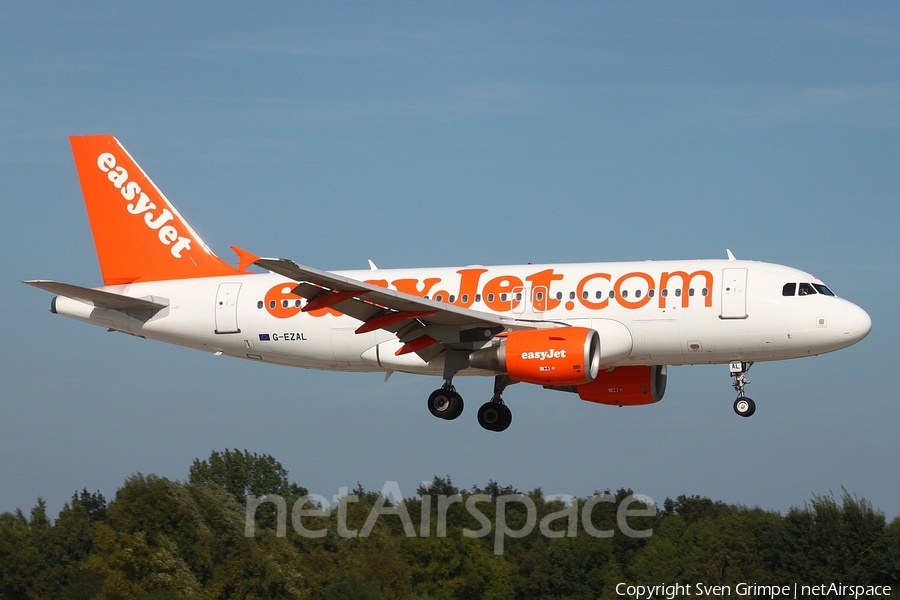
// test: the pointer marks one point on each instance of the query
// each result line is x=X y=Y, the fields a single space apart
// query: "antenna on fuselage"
x=730 y=255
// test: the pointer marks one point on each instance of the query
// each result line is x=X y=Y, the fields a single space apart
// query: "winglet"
x=245 y=259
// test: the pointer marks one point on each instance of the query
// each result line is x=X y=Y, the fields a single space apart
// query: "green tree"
x=19 y=557
x=351 y=586
x=183 y=541
x=886 y=556
x=67 y=544
x=242 y=473
x=830 y=541
x=440 y=486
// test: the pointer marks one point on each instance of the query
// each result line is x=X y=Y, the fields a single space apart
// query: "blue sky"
x=427 y=134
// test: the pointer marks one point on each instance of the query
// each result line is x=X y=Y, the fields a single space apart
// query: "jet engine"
x=626 y=386
x=562 y=356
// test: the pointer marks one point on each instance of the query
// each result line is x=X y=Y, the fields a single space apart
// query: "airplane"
x=606 y=332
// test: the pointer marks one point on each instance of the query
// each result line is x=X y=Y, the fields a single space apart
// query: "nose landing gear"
x=743 y=406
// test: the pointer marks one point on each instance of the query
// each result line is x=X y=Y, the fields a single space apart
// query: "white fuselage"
x=647 y=313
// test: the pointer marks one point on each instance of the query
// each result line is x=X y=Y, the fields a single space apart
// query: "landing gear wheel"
x=494 y=416
x=445 y=404
x=505 y=418
x=489 y=415
x=744 y=406
x=456 y=406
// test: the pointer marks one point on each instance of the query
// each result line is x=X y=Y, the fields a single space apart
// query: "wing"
x=423 y=325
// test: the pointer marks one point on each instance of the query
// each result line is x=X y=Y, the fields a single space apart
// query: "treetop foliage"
x=167 y=539
x=242 y=473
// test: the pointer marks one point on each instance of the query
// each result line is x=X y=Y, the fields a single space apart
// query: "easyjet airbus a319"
x=603 y=331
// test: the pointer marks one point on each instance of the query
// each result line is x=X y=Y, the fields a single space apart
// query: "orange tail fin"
x=138 y=233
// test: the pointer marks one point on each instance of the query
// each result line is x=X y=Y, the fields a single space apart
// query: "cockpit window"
x=806 y=290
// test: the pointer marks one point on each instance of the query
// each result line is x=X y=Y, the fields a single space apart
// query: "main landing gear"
x=445 y=403
x=494 y=415
x=743 y=406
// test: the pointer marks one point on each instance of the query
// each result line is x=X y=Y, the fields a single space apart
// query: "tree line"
x=169 y=539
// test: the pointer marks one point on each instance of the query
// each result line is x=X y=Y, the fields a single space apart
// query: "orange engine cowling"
x=626 y=386
x=554 y=357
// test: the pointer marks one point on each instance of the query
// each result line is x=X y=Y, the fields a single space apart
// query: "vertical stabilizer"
x=138 y=234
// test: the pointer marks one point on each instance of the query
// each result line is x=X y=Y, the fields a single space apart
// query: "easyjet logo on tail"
x=140 y=204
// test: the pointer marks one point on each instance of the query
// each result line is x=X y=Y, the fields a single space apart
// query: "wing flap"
x=98 y=298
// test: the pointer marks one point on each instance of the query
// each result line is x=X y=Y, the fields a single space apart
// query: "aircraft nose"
x=857 y=324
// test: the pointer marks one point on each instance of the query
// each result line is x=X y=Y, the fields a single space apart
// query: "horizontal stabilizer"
x=97 y=298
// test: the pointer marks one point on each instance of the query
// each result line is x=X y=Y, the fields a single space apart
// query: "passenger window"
x=789 y=289
x=678 y=293
x=598 y=295
x=665 y=293
x=637 y=294
x=559 y=295
x=502 y=297
x=624 y=293
x=571 y=295
x=465 y=298
x=691 y=292
x=259 y=304
x=705 y=292
x=612 y=293
x=651 y=292
x=477 y=297
x=452 y=298
x=584 y=294
x=271 y=304
x=490 y=297
x=805 y=290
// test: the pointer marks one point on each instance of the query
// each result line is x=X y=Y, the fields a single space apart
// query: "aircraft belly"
x=348 y=347
x=302 y=340
x=658 y=341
